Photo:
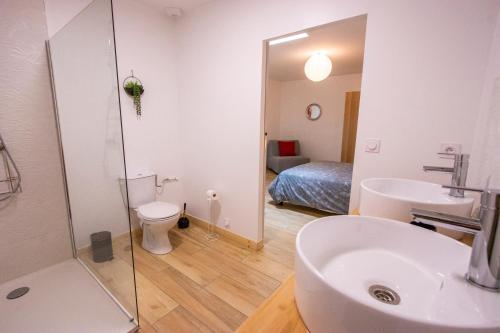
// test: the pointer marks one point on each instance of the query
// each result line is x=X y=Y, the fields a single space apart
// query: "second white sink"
x=393 y=198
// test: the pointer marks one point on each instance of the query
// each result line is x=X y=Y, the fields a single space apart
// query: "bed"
x=321 y=185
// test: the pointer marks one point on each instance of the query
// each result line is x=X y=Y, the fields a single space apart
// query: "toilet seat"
x=157 y=211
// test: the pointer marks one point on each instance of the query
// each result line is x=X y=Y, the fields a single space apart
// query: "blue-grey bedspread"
x=320 y=185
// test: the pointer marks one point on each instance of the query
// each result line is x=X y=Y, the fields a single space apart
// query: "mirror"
x=313 y=111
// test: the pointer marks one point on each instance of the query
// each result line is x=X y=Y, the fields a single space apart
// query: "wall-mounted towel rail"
x=10 y=182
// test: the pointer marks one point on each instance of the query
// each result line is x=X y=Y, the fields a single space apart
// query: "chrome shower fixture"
x=10 y=183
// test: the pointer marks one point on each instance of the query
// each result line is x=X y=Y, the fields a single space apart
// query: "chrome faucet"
x=458 y=172
x=484 y=265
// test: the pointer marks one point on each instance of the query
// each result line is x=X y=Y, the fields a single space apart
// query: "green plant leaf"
x=135 y=89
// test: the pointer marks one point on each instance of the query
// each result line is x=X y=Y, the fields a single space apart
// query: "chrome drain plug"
x=384 y=294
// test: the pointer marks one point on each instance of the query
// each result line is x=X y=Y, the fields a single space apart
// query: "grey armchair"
x=279 y=163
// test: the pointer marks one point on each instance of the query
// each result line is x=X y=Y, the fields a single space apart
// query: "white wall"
x=145 y=41
x=60 y=12
x=429 y=91
x=90 y=123
x=423 y=70
x=33 y=225
x=320 y=140
x=485 y=159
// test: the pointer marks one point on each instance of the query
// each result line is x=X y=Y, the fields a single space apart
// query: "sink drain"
x=384 y=294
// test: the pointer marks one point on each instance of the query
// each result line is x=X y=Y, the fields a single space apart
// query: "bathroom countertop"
x=278 y=314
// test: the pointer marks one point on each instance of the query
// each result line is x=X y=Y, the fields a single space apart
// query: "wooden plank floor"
x=278 y=314
x=204 y=286
x=201 y=286
x=212 y=286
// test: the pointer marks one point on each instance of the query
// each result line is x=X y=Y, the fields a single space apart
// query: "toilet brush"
x=183 y=221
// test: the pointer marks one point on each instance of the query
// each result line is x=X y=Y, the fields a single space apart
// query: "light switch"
x=372 y=145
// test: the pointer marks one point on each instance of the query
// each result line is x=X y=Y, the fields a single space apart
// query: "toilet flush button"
x=372 y=145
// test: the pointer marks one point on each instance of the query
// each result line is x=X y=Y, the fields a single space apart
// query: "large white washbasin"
x=393 y=198
x=340 y=257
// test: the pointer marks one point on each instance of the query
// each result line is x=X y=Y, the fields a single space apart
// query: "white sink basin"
x=393 y=198
x=340 y=257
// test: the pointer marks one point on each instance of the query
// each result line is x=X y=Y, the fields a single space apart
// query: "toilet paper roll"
x=211 y=194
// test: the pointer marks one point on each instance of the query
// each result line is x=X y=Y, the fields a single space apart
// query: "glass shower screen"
x=84 y=74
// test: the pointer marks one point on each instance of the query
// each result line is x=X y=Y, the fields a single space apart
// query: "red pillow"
x=286 y=148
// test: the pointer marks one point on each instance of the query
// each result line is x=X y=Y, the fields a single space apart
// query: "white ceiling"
x=343 y=41
x=185 y=5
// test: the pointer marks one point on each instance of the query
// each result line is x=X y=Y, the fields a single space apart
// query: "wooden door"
x=350 y=126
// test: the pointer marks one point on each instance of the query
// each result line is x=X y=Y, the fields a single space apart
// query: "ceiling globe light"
x=318 y=67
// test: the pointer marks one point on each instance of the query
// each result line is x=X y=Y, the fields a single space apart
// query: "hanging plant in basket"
x=133 y=87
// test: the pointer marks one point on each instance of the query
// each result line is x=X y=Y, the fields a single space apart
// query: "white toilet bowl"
x=156 y=219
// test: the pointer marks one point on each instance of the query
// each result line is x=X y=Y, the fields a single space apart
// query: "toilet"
x=156 y=218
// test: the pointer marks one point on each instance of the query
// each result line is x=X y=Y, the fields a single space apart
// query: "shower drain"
x=384 y=294
x=16 y=293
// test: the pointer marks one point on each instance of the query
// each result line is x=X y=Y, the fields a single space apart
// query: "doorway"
x=312 y=95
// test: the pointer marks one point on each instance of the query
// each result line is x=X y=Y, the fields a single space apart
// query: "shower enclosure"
x=83 y=65
x=70 y=168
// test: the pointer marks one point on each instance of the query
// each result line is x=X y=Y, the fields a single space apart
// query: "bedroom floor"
x=287 y=217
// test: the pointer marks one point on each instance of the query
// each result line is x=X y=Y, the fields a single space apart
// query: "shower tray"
x=62 y=298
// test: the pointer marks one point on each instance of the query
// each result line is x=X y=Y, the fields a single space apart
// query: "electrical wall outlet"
x=450 y=148
x=227 y=222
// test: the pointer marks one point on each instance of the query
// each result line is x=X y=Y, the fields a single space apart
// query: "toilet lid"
x=158 y=210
